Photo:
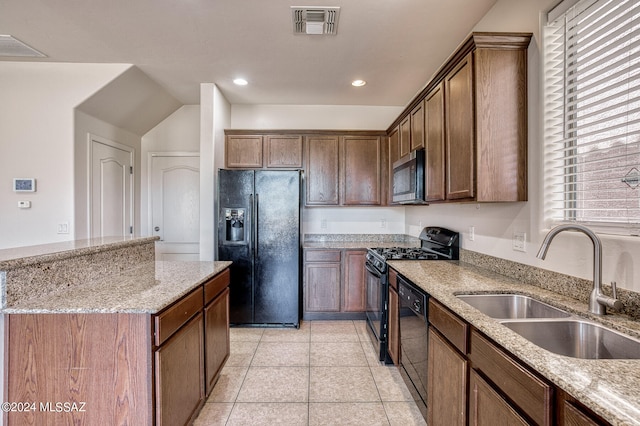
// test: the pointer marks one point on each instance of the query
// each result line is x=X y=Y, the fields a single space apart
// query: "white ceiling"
x=395 y=45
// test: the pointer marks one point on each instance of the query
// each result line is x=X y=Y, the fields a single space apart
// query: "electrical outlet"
x=472 y=233
x=63 y=228
x=519 y=241
x=323 y=223
x=383 y=223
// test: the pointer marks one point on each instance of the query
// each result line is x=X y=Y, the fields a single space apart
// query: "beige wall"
x=494 y=224
x=37 y=140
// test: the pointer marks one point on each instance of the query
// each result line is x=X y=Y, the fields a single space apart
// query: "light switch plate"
x=519 y=241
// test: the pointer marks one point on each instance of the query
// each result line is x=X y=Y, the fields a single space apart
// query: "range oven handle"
x=372 y=270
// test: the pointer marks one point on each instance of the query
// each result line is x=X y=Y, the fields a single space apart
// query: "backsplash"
x=382 y=238
x=567 y=285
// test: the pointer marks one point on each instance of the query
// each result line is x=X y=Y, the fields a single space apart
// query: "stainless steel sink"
x=511 y=306
x=577 y=338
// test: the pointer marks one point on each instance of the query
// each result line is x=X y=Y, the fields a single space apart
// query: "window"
x=592 y=114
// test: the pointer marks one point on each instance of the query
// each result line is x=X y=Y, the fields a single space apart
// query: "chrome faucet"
x=597 y=301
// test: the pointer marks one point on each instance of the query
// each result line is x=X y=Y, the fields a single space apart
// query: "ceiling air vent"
x=10 y=46
x=315 y=20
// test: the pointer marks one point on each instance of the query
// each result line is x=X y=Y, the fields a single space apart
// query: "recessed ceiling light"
x=358 y=83
x=240 y=82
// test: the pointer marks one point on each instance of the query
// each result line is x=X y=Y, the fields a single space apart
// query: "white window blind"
x=592 y=114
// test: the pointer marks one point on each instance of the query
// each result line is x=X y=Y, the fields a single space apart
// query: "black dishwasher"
x=414 y=341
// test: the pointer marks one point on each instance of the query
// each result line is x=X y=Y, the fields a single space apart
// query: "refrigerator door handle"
x=257 y=217
x=251 y=219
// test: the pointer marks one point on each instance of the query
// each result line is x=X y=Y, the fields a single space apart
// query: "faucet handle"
x=611 y=302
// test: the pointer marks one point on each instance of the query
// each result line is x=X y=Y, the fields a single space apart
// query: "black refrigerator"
x=259 y=231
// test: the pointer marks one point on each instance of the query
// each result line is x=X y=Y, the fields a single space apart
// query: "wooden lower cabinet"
x=118 y=368
x=487 y=407
x=179 y=375
x=393 y=330
x=528 y=393
x=216 y=337
x=322 y=287
x=353 y=294
x=334 y=284
x=447 y=383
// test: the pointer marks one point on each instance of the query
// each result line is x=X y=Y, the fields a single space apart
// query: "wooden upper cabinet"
x=243 y=151
x=501 y=122
x=283 y=152
x=459 y=132
x=322 y=155
x=476 y=107
x=434 y=145
x=394 y=155
x=417 y=127
x=405 y=136
x=361 y=170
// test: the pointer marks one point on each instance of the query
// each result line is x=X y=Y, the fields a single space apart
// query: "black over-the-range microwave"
x=408 y=178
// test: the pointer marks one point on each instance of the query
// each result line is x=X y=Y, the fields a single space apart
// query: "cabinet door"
x=283 y=152
x=179 y=375
x=394 y=154
x=361 y=170
x=460 y=134
x=322 y=172
x=354 y=295
x=322 y=287
x=486 y=407
x=393 y=333
x=417 y=127
x=574 y=416
x=446 y=383
x=216 y=337
x=243 y=151
x=405 y=136
x=434 y=145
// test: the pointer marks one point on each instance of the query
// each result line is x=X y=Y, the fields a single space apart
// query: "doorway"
x=174 y=204
x=110 y=188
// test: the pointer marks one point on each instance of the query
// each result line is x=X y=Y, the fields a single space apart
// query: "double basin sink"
x=554 y=329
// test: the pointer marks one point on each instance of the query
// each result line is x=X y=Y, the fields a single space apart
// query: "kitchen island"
x=607 y=387
x=98 y=332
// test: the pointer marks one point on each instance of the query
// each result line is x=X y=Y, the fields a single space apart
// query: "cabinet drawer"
x=214 y=286
x=527 y=391
x=322 y=255
x=449 y=325
x=170 y=320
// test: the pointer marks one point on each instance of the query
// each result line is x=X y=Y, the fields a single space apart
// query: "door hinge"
x=131 y=229
x=130 y=170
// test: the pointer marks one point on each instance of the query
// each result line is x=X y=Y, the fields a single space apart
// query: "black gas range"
x=436 y=243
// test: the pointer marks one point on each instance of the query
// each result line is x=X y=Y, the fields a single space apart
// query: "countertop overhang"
x=147 y=288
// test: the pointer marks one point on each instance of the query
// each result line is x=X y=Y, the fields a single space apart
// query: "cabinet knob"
x=157 y=228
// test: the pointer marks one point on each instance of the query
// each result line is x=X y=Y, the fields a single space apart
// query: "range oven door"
x=376 y=300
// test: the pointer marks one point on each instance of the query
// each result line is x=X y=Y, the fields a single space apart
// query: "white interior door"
x=175 y=205
x=111 y=189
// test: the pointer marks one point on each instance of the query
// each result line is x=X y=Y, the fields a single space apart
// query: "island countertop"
x=608 y=387
x=147 y=288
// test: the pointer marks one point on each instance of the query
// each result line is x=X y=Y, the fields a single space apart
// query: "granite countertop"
x=608 y=387
x=147 y=288
x=23 y=256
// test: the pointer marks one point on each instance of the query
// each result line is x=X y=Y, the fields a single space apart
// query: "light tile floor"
x=324 y=373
